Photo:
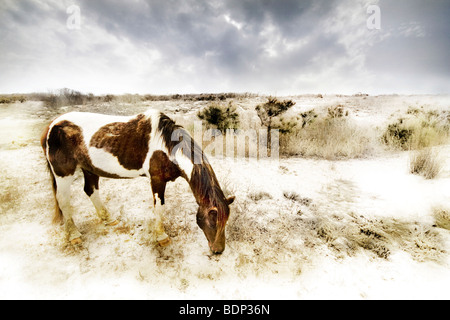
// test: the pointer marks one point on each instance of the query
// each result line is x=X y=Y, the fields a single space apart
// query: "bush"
x=108 y=98
x=337 y=111
x=221 y=116
x=442 y=217
x=269 y=111
x=426 y=163
x=65 y=97
x=418 y=130
x=12 y=98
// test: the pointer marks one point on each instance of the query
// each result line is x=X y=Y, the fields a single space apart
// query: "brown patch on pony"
x=57 y=217
x=119 y=138
x=64 y=142
x=90 y=182
x=67 y=150
x=161 y=171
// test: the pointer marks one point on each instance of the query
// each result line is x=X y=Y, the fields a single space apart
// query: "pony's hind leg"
x=91 y=189
x=63 y=197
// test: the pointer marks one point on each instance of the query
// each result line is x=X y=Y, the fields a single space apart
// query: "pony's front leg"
x=92 y=191
x=161 y=237
x=63 y=197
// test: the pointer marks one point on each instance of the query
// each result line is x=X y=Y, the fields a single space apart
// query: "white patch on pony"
x=184 y=163
x=156 y=140
x=90 y=123
x=109 y=163
x=157 y=143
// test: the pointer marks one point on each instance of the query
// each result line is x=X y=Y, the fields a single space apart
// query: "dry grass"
x=258 y=196
x=10 y=195
x=295 y=231
x=347 y=234
x=442 y=217
x=425 y=162
x=329 y=138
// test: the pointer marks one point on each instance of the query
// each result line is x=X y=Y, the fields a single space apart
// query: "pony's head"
x=214 y=210
x=212 y=220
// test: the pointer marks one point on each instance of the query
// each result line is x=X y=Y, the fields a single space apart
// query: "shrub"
x=337 y=111
x=221 y=116
x=426 y=163
x=271 y=109
x=418 y=130
x=108 y=98
x=12 y=98
x=442 y=217
x=308 y=117
x=268 y=111
x=65 y=97
x=5 y=100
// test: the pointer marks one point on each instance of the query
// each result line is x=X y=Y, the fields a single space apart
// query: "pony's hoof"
x=112 y=224
x=165 y=242
x=76 y=241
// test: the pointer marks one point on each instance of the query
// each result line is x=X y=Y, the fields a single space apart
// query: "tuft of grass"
x=291 y=195
x=442 y=217
x=10 y=196
x=425 y=162
x=294 y=196
x=258 y=196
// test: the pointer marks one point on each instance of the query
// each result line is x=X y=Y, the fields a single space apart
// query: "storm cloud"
x=191 y=46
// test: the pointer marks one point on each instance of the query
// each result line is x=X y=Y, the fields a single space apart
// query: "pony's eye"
x=213 y=213
x=212 y=217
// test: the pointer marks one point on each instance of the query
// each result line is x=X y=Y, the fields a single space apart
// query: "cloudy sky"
x=192 y=46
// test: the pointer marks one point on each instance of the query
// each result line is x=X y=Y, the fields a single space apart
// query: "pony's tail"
x=57 y=217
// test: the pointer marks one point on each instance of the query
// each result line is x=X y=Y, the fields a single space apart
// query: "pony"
x=148 y=144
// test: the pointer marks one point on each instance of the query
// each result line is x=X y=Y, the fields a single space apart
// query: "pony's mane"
x=206 y=188
x=175 y=136
x=203 y=180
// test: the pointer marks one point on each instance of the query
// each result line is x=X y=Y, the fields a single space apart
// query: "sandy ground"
x=300 y=228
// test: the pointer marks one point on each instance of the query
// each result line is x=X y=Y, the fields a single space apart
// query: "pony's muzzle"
x=216 y=248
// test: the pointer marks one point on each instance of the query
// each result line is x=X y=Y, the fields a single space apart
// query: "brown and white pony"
x=148 y=144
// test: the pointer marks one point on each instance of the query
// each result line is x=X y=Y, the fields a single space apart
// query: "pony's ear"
x=230 y=200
